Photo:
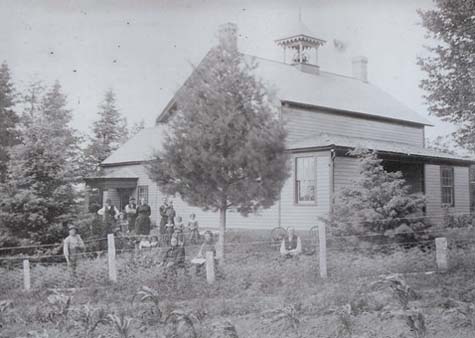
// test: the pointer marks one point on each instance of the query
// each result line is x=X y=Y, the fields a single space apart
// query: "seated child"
x=291 y=245
x=145 y=243
x=174 y=257
x=208 y=245
x=154 y=242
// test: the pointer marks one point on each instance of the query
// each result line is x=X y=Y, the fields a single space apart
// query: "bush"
x=376 y=201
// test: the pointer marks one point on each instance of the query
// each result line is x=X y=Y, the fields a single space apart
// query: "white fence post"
x=111 y=258
x=210 y=275
x=441 y=253
x=26 y=275
x=322 y=240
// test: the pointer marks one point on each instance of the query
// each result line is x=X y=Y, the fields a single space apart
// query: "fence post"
x=26 y=275
x=441 y=253
x=322 y=240
x=210 y=275
x=111 y=257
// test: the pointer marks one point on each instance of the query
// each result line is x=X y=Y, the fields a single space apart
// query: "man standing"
x=110 y=214
x=291 y=245
x=72 y=247
x=131 y=212
x=171 y=213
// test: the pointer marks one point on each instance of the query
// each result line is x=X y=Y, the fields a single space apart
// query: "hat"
x=72 y=226
x=132 y=198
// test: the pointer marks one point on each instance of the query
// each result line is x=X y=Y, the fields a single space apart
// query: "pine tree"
x=38 y=195
x=376 y=200
x=136 y=128
x=8 y=119
x=450 y=68
x=226 y=146
x=109 y=132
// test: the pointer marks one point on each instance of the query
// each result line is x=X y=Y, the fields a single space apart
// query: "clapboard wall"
x=303 y=123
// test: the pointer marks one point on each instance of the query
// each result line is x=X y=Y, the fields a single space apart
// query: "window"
x=305 y=183
x=142 y=192
x=447 y=185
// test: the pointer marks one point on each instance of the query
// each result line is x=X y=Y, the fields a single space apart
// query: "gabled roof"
x=322 y=140
x=328 y=91
x=333 y=91
x=139 y=148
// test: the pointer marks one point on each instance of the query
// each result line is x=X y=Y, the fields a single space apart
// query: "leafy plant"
x=465 y=312
x=416 y=322
x=180 y=324
x=89 y=318
x=146 y=294
x=344 y=321
x=121 y=324
x=60 y=305
x=288 y=315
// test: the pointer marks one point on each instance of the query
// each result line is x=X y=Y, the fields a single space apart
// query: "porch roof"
x=324 y=140
x=119 y=177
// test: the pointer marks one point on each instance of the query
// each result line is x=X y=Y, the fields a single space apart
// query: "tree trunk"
x=222 y=229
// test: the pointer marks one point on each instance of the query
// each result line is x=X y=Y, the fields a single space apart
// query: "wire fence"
x=247 y=257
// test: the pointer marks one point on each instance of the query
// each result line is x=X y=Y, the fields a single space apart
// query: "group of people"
x=135 y=217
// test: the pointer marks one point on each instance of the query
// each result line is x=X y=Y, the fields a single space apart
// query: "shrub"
x=376 y=201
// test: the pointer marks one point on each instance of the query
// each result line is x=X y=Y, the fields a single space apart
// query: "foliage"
x=146 y=294
x=179 y=324
x=122 y=324
x=464 y=312
x=109 y=132
x=376 y=201
x=450 y=67
x=89 y=318
x=8 y=119
x=226 y=144
x=136 y=128
x=289 y=315
x=39 y=193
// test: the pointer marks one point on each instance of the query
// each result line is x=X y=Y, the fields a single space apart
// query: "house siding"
x=298 y=216
x=304 y=123
x=434 y=209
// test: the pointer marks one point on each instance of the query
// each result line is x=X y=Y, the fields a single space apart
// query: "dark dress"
x=142 y=223
x=163 y=219
x=131 y=211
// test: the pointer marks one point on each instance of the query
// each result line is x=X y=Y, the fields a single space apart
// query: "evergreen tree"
x=8 y=119
x=38 y=195
x=376 y=200
x=136 y=128
x=450 y=68
x=226 y=145
x=109 y=132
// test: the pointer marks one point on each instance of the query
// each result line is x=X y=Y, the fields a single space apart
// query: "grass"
x=257 y=294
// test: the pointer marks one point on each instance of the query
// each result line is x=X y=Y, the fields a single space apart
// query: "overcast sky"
x=143 y=49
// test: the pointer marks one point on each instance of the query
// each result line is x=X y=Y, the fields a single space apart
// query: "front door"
x=124 y=195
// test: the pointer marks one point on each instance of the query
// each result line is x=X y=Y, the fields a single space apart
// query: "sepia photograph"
x=237 y=169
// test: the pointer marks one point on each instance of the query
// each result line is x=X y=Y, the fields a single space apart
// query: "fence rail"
x=114 y=263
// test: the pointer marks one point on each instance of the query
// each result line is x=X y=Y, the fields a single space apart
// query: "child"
x=207 y=245
x=123 y=223
x=193 y=229
x=174 y=258
x=145 y=243
x=179 y=230
x=170 y=229
x=154 y=242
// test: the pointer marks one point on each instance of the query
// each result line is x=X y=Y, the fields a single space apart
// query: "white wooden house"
x=326 y=115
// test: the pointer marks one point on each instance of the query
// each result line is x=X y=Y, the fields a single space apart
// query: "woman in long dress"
x=142 y=222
